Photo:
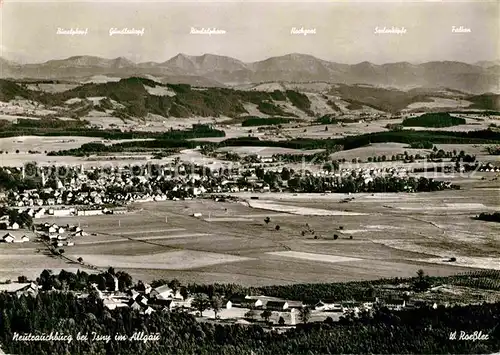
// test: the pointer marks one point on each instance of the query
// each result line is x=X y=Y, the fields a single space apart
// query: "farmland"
x=393 y=235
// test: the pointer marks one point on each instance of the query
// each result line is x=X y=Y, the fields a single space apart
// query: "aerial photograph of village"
x=240 y=177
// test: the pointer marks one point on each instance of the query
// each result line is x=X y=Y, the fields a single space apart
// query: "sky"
x=345 y=31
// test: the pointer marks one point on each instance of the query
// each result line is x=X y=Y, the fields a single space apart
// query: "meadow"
x=393 y=235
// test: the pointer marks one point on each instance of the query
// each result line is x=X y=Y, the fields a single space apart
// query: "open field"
x=43 y=144
x=174 y=260
x=304 y=211
x=310 y=256
x=440 y=102
x=393 y=235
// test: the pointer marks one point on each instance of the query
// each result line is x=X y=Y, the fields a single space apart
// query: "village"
x=91 y=191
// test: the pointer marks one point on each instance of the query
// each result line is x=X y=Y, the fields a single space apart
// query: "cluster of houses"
x=50 y=232
x=361 y=305
x=64 y=211
x=59 y=236
x=120 y=186
x=143 y=298
x=489 y=168
x=281 y=305
x=15 y=237
x=96 y=188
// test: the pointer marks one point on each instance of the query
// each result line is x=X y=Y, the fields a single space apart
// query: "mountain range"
x=215 y=70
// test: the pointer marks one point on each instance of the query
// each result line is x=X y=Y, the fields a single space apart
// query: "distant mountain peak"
x=293 y=67
x=122 y=62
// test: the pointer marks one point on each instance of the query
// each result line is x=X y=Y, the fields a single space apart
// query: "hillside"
x=133 y=98
x=112 y=99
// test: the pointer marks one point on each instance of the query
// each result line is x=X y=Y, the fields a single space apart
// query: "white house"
x=39 y=213
x=13 y=226
x=243 y=301
x=113 y=303
x=327 y=306
x=395 y=305
x=8 y=238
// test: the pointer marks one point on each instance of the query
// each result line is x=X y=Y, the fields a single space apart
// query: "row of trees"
x=490 y=217
x=353 y=184
x=439 y=119
x=80 y=281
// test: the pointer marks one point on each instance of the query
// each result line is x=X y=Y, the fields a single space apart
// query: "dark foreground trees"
x=419 y=331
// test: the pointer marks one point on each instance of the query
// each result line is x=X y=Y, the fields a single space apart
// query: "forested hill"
x=136 y=97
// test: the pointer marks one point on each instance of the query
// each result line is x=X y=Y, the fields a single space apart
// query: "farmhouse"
x=369 y=302
x=8 y=238
x=352 y=306
x=295 y=304
x=13 y=226
x=20 y=289
x=53 y=228
x=132 y=293
x=243 y=301
x=328 y=306
x=13 y=237
x=148 y=310
x=395 y=304
x=114 y=302
x=89 y=212
x=144 y=288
